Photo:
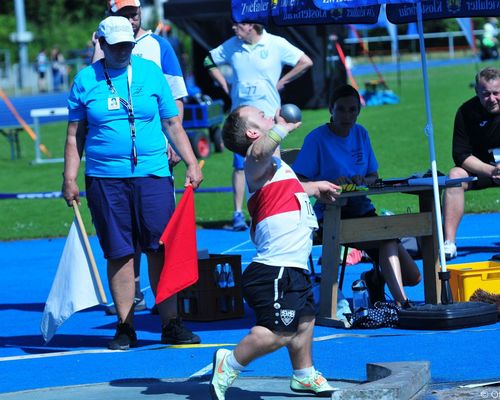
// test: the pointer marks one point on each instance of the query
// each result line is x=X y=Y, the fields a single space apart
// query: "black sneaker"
x=176 y=333
x=375 y=285
x=125 y=338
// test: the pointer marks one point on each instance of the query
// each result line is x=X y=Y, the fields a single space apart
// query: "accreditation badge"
x=113 y=103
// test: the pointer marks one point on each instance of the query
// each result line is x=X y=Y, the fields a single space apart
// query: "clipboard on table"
x=443 y=181
x=406 y=180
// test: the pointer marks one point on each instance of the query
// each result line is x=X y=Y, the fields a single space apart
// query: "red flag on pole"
x=180 y=267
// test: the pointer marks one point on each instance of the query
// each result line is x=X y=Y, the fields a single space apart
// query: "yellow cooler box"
x=466 y=278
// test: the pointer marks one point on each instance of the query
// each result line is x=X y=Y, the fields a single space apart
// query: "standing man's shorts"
x=279 y=296
x=129 y=211
x=238 y=162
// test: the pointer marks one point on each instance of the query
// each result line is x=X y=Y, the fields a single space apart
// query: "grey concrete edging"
x=389 y=381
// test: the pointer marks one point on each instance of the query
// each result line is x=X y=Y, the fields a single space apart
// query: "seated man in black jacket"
x=476 y=141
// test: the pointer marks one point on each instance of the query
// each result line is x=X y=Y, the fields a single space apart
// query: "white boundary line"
x=237 y=246
x=204 y=371
x=478 y=237
x=56 y=354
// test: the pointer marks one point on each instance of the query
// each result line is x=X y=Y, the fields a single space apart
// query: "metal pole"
x=159 y=10
x=38 y=155
x=429 y=132
x=21 y=38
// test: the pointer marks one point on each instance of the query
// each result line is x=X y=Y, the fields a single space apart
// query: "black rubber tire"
x=200 y=144
x=216 y=138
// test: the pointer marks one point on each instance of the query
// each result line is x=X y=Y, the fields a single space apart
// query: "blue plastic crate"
x=203 y=115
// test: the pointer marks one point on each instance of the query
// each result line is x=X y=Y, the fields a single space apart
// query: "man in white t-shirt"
x=257 y=59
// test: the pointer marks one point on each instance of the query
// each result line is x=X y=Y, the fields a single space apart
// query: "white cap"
x=116 y=30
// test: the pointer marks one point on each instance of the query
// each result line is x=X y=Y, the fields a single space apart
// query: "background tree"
x=65 y=23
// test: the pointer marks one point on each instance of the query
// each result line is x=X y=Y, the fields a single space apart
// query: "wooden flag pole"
x=88 y=249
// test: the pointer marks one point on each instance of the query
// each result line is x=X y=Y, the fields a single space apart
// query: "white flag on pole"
x=73 y=289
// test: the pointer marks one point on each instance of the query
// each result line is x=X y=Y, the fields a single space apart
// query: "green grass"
x=397 y=134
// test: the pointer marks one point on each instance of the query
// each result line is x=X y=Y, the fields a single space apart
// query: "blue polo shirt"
x=108 y=144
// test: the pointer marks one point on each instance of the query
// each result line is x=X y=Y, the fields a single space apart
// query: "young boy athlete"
x=276 y=284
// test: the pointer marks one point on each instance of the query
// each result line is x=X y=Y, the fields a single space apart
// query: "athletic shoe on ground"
x=450 y=249
x=176 y=333
x=223 y=376
x=125 y=338
x=315 y=384
x=139 y=305
x=239 y=223
x=375 y=285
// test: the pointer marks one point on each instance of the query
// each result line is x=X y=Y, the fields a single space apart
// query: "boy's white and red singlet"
x=282 y=220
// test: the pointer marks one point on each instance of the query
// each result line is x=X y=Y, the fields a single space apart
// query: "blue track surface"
x=77 y=353
x=407 y=66
x=24 y=105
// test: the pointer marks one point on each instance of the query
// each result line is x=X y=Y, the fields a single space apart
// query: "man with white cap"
x=118 y=110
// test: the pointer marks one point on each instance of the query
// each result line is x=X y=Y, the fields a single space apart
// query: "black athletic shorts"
x=279 y=296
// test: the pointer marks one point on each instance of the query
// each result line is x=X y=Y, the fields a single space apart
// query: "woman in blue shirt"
x=119 y=109
x=341 y=152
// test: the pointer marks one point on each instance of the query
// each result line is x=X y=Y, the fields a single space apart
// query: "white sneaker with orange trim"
x=223 y=375
x=315 y=384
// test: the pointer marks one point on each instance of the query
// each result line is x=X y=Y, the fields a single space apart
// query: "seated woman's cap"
x=115 y=5
x=116 y=30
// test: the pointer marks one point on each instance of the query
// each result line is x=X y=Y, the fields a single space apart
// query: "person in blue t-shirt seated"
x=340 y=151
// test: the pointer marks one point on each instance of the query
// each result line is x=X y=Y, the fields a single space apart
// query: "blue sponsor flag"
x=257 y=11
x=329 y=4
x=305 y=12
x=441 y=9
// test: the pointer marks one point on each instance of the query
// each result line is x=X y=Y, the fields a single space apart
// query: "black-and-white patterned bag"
x=382 y=315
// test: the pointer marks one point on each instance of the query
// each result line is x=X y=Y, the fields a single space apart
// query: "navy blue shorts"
x=127 y=212
x=279 y=296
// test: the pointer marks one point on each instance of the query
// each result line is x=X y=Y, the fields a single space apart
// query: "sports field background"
x=397 y=134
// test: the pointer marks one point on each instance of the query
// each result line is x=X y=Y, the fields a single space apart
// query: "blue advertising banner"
x=257 y=11
x=305 y=12
x=314 y=12
x=329 y=4
x=439 y=9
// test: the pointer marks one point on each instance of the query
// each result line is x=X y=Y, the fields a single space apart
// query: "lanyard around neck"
x=127 y=104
